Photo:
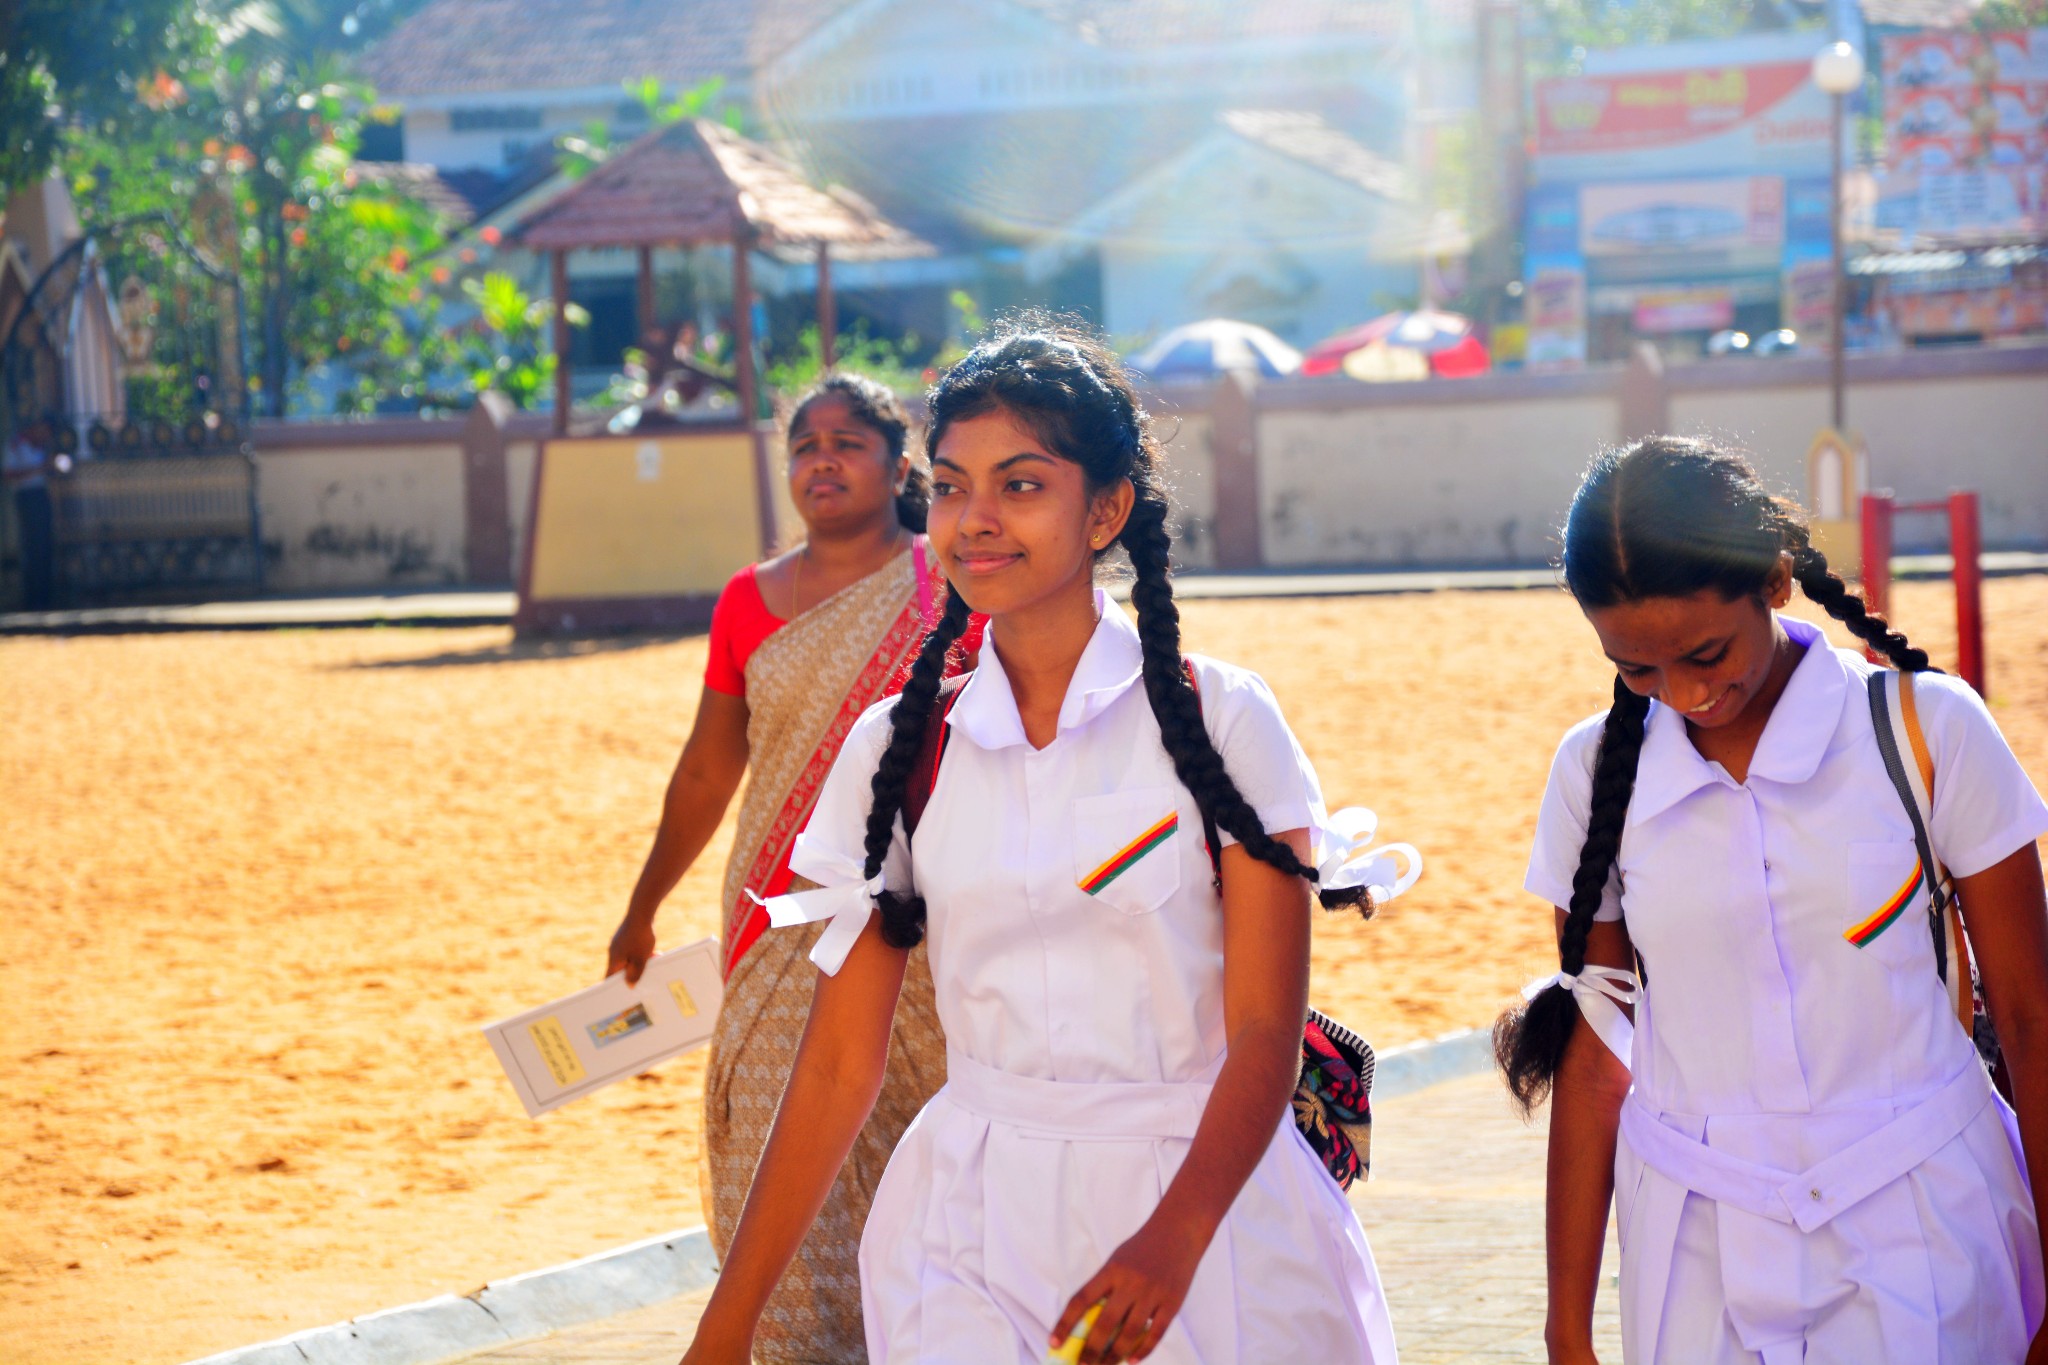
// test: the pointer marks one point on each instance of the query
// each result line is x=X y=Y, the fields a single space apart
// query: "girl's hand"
x=713 y=1347
x=1141 y=1288
x=632 y=945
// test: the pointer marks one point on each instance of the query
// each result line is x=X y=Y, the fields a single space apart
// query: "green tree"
x=256 y=152
x=65 y=60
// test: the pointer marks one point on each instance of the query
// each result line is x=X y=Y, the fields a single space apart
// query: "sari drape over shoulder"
x=806 y=685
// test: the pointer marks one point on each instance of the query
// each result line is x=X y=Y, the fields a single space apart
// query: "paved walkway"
x=478 y=607
x=1454 y=1211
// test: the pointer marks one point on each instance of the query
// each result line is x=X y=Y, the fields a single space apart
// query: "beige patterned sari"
x=806 y=685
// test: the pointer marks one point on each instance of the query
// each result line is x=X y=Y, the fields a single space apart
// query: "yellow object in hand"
x=1069 y=1352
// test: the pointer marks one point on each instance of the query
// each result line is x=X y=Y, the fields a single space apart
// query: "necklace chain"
x=796 y=573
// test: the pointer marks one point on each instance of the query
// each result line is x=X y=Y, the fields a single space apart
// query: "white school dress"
x=1076 y=942
x=1812 y=1163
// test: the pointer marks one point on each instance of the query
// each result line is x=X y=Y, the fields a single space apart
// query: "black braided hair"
x=903 y=916
x=1664 y=517
x=875 y=407
x=1063 y=383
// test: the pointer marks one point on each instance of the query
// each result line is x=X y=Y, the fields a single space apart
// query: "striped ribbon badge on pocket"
x=1125 y=858
x=1880 y=920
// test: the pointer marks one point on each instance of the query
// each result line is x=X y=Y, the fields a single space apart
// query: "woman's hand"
x=710 y=1346
x=632 y=945
x=1141 y=1288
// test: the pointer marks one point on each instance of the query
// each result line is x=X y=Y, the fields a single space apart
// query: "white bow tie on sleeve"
x=1343 y=861
x=847 y=905
x=1600 y=993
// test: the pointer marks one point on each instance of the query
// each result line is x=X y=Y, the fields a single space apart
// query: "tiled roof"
x=455 y=47
x=1162 y=23
x=1920 y=13
x=1307 y=138
x=423 y=183
x=698 y=181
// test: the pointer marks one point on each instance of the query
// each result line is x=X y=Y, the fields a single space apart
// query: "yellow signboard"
x=658 y=517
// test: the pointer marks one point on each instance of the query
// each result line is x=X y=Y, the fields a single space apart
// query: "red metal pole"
x=1878 y=510
x=1966 y=544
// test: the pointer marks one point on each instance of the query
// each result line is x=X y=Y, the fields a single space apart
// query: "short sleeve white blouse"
x=1743 y=893
x=1074 y=926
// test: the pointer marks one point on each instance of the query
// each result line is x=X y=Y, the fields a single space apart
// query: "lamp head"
x=1838 y=69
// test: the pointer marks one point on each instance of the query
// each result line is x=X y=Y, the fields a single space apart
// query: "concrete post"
x=1645 y=402
x=1234 y=441
x=487 y=512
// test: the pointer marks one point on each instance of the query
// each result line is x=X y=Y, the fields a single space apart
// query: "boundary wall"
x=1292 y=474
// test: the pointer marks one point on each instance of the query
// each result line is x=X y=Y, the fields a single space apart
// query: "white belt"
x=1079 y=1109
x=1811 y=1198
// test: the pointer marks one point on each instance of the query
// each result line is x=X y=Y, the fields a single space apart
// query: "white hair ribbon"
x=1600 y=993
x=847 y=905
x=1343 y=861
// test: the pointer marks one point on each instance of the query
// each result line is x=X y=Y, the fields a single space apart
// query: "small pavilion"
x=698 y=183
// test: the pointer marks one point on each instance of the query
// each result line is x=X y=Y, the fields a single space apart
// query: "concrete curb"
x=1417 y=1066
x=660 y=1268
x=503 y=1311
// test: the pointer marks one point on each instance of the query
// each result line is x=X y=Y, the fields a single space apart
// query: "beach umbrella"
x=1442 y=341
x=1203 y=350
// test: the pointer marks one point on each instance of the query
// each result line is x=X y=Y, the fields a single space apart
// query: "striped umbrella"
x=1443 y=340
x=1203 y=350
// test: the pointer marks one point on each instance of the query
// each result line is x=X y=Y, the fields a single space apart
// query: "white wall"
x=382 y=516
x=1442 y=483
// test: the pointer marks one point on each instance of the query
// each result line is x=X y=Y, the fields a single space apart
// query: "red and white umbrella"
x=1443 y=343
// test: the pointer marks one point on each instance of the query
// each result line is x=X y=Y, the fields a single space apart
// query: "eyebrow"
x=1019 y=458
x=1701 y=648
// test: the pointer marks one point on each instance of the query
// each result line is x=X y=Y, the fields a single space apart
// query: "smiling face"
x=841 y=475
x=1013 y=523
x=1705 y=656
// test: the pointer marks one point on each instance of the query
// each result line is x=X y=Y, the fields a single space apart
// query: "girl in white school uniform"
x=1123 y=1034
x=1810 y=1163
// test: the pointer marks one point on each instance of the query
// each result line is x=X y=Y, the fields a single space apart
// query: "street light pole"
x=1838 y=279
x=1838 y=71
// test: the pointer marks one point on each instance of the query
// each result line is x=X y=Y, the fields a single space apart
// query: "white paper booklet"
x=583 y=1042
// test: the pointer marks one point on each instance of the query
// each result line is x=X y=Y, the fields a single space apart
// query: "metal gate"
x=157 y=518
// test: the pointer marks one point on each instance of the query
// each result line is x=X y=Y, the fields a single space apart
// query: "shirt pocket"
x=1127 y=848
x=1887 y=910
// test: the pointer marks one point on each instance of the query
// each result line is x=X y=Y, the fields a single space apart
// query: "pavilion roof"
x=698 y=182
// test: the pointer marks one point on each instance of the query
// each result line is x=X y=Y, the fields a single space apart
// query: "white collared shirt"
x=1036 y=975
x=1740 y=895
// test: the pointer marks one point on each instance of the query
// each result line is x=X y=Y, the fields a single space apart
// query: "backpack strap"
x=924 y=769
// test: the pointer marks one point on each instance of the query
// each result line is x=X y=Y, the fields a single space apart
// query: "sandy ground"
x=260 y=891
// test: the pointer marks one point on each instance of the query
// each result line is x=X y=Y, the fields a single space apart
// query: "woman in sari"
x=801 y=644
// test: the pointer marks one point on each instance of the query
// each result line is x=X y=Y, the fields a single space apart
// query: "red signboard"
x=1648 y=109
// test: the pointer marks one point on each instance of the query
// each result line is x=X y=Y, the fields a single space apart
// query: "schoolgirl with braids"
x=1806 y=1157
x=1123 y=1018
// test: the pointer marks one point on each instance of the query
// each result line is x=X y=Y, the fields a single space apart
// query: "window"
x=486 y=120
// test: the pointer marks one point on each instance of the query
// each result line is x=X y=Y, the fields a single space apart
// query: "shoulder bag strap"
x=1889 y=721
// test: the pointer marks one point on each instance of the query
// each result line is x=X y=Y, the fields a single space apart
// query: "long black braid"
x=1072 y=392
x=903 y=916
x=1665 y=517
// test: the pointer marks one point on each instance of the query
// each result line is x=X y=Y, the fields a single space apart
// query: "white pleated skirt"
x=1008 y=1193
